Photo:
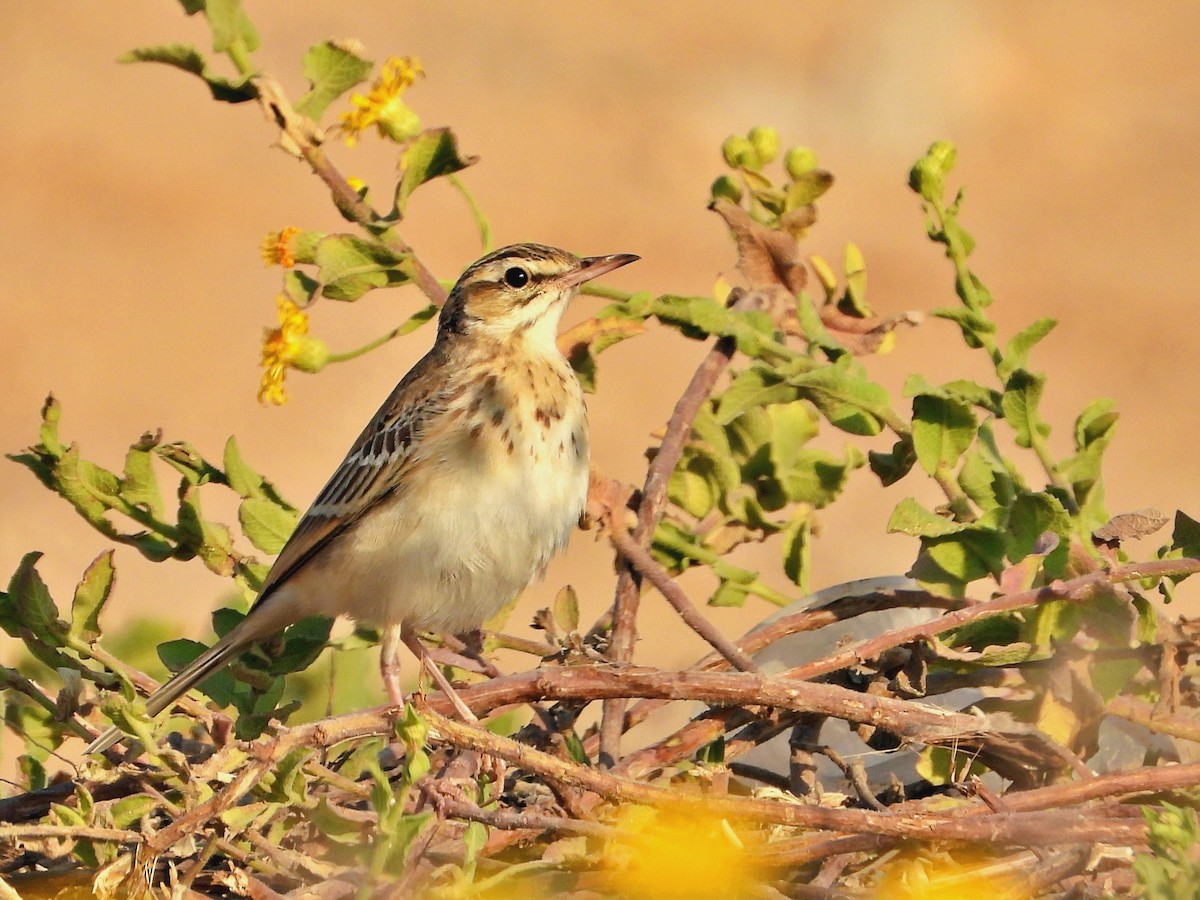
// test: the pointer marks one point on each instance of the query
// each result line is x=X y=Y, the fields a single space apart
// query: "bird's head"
x=521 y=288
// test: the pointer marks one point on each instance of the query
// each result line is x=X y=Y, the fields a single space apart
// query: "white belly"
x=450 y=551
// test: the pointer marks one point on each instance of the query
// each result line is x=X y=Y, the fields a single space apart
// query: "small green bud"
x=799 y=161
x=309 y=355
x=727 y=188
x=765 y=141
x=398 y=122
x=740 y=153
x=928 y=175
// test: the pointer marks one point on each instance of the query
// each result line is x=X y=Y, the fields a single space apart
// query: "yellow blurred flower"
x=382 y=106
x=277 y=249
x=945 y=878
x=663 y=856
x=288 y=346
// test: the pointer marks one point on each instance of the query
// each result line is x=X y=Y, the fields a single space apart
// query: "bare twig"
x=1075 y=590
x=649 y=568
x=650 y=510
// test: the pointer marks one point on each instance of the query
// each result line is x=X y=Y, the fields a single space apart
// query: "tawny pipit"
x=458 y=492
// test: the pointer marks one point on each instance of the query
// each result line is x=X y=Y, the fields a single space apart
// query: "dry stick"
x=649 y=568
x=1075 y=590
x=68 y=832
x=302 y=137
x=806 y=620
x=1140 y=712
x=1060 y=826
x=699 y=732
x=650 y=510
x=511 y=820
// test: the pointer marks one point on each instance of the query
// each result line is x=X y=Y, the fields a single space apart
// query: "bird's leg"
x=389 y=663
x=492 y=765
x=414 y=644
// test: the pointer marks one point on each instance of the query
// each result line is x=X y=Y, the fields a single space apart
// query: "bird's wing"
x=373 y=469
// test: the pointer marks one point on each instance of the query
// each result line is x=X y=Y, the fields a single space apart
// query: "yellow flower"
x=382 y=106
x=288 y=347
x=662 y=856
x=945 y=878
x=276 y=248
x=357 y=184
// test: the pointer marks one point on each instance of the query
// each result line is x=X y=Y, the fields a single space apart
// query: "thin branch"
x=69 y=832
x=302 y=137
x=1075 y=590
x=649 y=568
x=650 y=510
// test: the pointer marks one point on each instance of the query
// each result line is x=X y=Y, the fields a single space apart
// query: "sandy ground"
x=133 y=206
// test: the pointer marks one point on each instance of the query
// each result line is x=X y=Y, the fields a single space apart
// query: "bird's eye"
x=516 y=277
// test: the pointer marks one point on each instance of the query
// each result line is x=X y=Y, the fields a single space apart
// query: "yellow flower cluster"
x=672 y=856
x=280 y=348
x=277 y=247
x=382 y=106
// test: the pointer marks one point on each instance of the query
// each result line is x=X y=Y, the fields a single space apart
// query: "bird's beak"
x=593 y=266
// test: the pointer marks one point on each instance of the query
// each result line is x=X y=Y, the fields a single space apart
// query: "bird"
x=458 y=492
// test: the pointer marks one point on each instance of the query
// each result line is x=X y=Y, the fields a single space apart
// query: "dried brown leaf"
x=1127 y=526
x=766 y=257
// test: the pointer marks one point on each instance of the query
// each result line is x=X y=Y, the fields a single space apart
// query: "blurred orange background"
x=133 y=208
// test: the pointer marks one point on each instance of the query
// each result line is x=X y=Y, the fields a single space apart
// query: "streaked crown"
x=520 y=286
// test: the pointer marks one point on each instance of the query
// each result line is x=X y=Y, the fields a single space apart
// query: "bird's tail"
x=204 y=665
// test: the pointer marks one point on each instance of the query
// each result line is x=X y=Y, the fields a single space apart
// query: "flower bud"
x=765 y=141
x=726 y=187
x=799 y=161
x=309 y=354
x=740 y=153
x=398 y=122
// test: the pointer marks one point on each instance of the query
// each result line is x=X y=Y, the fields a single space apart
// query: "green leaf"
x=189 y=59
x=976 y=328
x=974 y=553
x=892 y=466
x=139 y=486
x=928 y=174
x=843 y=394
x=729 y=593
x=690 y=490
x=350 y=266
x=244 y=480
x=910 y=517
x=332 y=68
x=51 y=413
x=1185 y=537
x=942 y=430
x=855 y=268
x=188 y=462
x=299 y=287
x=303 y=642
x=753 y=387
x=1022 y=394
x=1016 y=353
x=266 y=524
x=987 y=487
x=566 y=609
x=90 y=596
x=808 y=188
x=209 y=540
x=797 y=549
x=32 y=607
x=128 y=811
x=1031 y=516
x=431 y=154
x=817 y=477
x=231 y=27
